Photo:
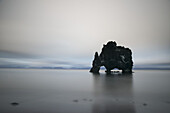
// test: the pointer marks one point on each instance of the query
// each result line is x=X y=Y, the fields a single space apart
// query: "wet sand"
x=78 y=91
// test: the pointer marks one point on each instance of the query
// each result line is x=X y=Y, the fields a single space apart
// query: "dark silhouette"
x=113 y=56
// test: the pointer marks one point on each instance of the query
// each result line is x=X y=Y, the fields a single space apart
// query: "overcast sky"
x=68 y=32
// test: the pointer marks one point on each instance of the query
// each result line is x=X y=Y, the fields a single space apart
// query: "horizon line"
x=84 y=68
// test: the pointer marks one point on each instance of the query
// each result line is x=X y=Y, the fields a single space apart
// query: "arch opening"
x=116 y=70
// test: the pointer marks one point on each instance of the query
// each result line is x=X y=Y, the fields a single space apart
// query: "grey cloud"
x=12 y=54
x=70 y=31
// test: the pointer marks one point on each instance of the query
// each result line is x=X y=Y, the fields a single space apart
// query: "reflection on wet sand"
x=113 y=93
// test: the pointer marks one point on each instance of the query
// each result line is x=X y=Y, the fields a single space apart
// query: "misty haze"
x=48 y=47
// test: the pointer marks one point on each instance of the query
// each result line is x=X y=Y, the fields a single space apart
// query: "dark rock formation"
x=113 y=56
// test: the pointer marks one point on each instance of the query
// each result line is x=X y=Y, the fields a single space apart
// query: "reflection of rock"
x=113 y=56
x=113 y=94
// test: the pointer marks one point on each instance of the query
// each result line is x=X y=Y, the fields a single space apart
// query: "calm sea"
x=78 y=91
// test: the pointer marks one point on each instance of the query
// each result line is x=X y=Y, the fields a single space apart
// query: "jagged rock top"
x=113 y=56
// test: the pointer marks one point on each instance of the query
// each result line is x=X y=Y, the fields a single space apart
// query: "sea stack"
x=111 y=57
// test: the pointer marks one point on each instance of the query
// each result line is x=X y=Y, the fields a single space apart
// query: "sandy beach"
x=78 y=91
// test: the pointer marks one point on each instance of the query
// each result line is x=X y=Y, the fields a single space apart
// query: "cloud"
x=14 y=59
x=71 y=31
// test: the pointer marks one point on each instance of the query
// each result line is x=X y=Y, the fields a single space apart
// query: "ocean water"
x=78 y=91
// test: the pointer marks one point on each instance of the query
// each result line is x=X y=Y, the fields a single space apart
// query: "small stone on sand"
x=117 y=99
x=144 y=104
x=85 y=99
x=75 y=100
x=90 y=100
x=168 y=102
x=14 y=104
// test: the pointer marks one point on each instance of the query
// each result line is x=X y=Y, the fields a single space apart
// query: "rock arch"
x=113 y=56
